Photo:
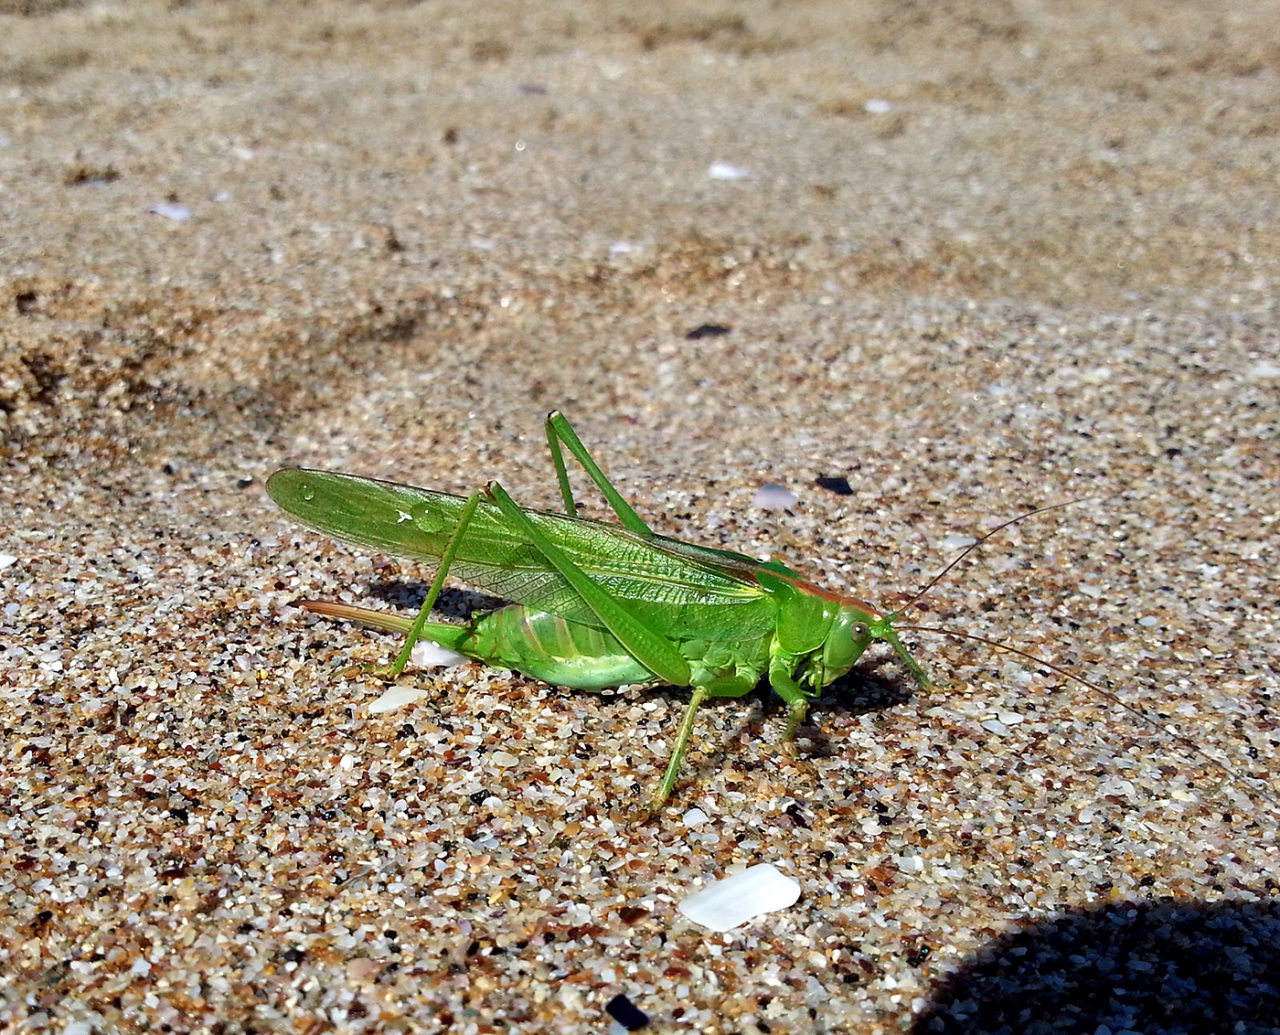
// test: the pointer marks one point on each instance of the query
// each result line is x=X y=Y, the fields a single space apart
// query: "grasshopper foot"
x=797 y=711
x=365 y=670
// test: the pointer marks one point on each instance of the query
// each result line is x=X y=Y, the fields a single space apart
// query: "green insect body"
x=597 y=604
x=537 y=643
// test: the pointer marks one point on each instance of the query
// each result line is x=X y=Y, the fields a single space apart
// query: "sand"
x=975 y=258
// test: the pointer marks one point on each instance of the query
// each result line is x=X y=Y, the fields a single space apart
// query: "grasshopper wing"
x=683 y=591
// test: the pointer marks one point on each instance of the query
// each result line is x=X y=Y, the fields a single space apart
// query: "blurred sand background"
x=974 y=257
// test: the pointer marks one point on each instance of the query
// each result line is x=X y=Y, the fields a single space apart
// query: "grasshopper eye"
x=859 y=631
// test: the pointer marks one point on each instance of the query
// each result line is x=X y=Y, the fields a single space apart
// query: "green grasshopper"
x=598 y=604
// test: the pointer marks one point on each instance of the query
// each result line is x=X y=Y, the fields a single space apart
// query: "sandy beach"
x=974 y=258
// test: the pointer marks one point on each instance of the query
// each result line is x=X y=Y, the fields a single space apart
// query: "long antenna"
x=1110 y=695
x=979 y=541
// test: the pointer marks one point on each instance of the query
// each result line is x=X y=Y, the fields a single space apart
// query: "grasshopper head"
x=855 y=628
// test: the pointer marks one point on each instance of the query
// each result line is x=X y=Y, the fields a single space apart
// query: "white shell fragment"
x=731 y=902
x=772 y=496
x=725 y=171
x=695 y=817
x=396 y=697
x=431 y=655
x=172 y=210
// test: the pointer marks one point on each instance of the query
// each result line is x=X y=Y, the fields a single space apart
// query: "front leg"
x=781 y=678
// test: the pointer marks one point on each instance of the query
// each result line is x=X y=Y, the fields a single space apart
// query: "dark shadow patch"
x=408 y=594
x=1160 y=968
x=858 y=693
x=36 y=8
x=855 y=694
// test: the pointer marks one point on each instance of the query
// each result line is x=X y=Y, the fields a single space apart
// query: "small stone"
x=626 y=1014
x=364 y=969
x=840 y=486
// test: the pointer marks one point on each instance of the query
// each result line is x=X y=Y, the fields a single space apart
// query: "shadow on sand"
x=1156 y=968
